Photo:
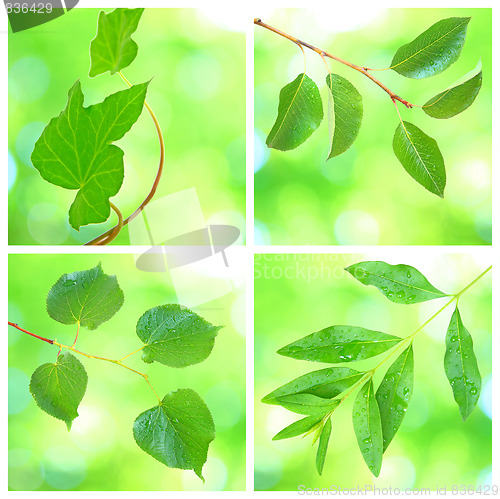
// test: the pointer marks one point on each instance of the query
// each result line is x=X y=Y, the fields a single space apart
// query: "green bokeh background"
x=197 y=91
x=365 y=196
x=296 y=295
x=100 y=452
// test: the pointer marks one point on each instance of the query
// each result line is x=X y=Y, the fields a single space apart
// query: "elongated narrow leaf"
x=323 y=445
x=340 y=344
x=113 y=49
x=175 y=336
x=400 y=283
x=454 y=100
x=324 y=383
x=300 y=112
x=88 y=297
x=298 y=427
x=58 y=388
x=394 y=394
x=305 y=403
x=433 y=51
x=348 y=111
x=368 y=427
x=177 y=432
x=460 y=365
x=420 y=156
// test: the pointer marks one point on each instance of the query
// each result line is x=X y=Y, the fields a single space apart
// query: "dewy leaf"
x=460 y=365
x=340 y=344
x=298 y=427
x=300 y=112
x=420 y=156
x=113 y=49
x=75 y=151
x=59 y=388
x=394 y=394
x=368 y=428
x=433 y=51
x=348 y=111
x=305 y=403
x=400 y=283
x=89 y=297
x=454 y=100
x=177 y=432
x=175 y=336
x=323 y=445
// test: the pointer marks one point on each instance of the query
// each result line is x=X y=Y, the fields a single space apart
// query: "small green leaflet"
x=340 y=344
x=454 y=100
x=348 y=111
x=300 y=112
x=89 y=297
x=420 y=156
x=177 y=432
x=304 y=403
x=399 y=283
x=394 y=394
x=460 y=365
x=175 y=336
x=298 y=427
x=323 y=445
x=113 y=49
x=433 y=51
x=368 y=428
x=59 y=388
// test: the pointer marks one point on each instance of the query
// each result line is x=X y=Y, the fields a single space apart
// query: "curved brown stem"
x=116 y=229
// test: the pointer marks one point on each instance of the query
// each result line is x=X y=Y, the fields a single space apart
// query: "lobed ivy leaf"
x=348 y=111
x=298 y=427
x=461 y=367
x=433 y=51
x=175 y=336
x=58 y=388
x=399 y=283
x=305 y=403
x=323 y=445
x=177 y=432
x=88 y=297
x=300 y=112
x=75 y=151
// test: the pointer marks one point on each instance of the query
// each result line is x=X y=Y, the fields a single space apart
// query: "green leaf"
x=300 y=112
x=305 y=403
x=394 y=394
x=323 y=445
x=298 y=427
x=460 y=365
x=89 y=297
x=368 y=427
x=433 y=51
x=113 y=49
x=177 y=432
x=75 y=151
x=340 y=344
x=454 y=100
x=348 y=111
x=399 y=283
x=420 y=156
x=58 y=388
x=325 y=383
x=175 y=336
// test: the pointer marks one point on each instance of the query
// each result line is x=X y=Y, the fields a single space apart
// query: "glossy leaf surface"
x=323 y=445
x=305 y=403
x=298 y=427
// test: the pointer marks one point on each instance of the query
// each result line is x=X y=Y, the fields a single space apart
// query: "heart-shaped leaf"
x=298 y=427
x=323 y=445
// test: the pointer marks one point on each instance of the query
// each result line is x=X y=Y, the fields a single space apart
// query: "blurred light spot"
x=352 y=18
x=261 y=233
x=268 y=468
x=19 y=397
x=25 y=141
x=25 y=472
x=235 y=155
x=16 y=316
x=94 y=430
x=397 y=472
x=225 y=405
x=28 y=79
x=214 y=472
x=356 y=227
x=486 y=402
x=199 y=76
x=336 y=175
x=65 y=468
x=418 y=411
x=12 y=170
x=238 y=315
x=229 y=217
x=230 y=19
x=261 y=151
x=485 y=477
x=46 y=224
x=472 y=182
x=482 y=224
x=366 y=312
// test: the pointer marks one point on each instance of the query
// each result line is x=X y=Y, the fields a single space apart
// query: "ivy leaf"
x=177 y=432
x=348 y=111
x=394 y=394
x=323 y=445
x=304 y=403
x=454 y=100
x=75 y=151
x=433 y=51
x=113 y=49
x=400 y=283
x=175 y=336
x=460 y=365
x=58 y=388
x=368 y=427
x=340 y=344
x=420 y=156
x=298 y=427
x=88 y=297
x=300 y=112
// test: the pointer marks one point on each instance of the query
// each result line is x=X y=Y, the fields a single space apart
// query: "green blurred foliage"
x=296 y=295
x=365 y=196
x=197 y=91
x=100 y=452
